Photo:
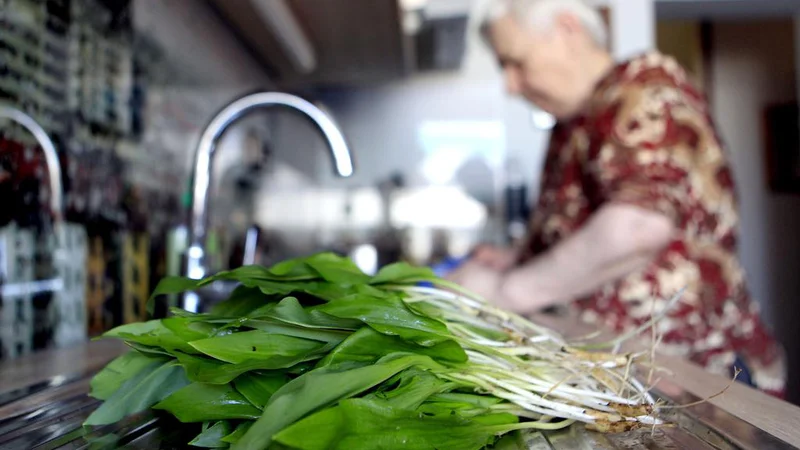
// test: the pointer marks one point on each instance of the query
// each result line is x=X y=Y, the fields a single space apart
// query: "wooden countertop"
x=770 y=415
x=70 y=362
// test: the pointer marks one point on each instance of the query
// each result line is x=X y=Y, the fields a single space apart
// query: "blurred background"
x=444 y=159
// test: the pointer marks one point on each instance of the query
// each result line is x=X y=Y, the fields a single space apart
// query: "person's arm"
x=498 y=258
x=618 y=240
x=641 y=173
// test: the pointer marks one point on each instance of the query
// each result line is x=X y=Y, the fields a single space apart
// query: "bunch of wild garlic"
x=314 y=354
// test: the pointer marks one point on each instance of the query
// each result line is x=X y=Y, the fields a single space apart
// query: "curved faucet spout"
x=343 y=163
x=50 y=156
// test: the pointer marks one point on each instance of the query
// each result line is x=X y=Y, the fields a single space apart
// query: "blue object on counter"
x=744 y=372
x=445 y=267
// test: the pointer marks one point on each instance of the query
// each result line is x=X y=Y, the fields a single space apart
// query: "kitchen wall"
x=127 y=87
x=206 y=68
x=435 y=129
x=390 y=126
x=633 y=26
x=385 y=124
x=401 y=126
x=200 y=47
x=754 y=65
x=683 y=41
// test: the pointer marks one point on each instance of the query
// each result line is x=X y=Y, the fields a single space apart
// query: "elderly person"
x=637 y=200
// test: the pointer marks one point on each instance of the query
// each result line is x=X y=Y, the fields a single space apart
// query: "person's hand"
x=498 y=287
x=497 y=258
x=478 y=278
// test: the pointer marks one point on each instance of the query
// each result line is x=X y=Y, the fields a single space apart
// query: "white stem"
x=541 y=386
x=531 y=396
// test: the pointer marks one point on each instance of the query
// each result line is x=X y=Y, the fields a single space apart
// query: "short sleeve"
x=648 y=150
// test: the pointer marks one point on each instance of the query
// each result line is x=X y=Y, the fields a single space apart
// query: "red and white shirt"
x=647 y=139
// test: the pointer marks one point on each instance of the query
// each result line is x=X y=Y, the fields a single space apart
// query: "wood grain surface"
x=68 y=362
x=774 y=416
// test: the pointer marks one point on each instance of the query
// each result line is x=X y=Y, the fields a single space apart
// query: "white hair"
x=541 y=15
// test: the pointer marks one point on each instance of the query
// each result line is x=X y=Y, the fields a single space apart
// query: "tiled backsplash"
x=41 y=311
x=16 y=310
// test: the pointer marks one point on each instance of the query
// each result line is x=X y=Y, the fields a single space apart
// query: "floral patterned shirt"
x=647 y=139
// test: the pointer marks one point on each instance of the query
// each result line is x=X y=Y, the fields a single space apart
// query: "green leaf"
x=336 y=269
x=189 y=329
x=367 y=346
x=466 y=404
x=389 y=316
x=488 y=333
x=120 y=370
x=331 y=292
x=403 y=273
x=136 y=329
x=171 y=285
x=323 y=320
x=238 y=433
x=242 y=301
x=315 y=334
x=180 y=312
x=320 y=289
x=291 y=271
x=298 y=275
x=165 y=340
x=237 y=348
x=142 y=391
x=512 y=441
x=301 y=368
x=276 y=288
x=258 y=388
x=206 y=370
x=294 y=269
x=244 y=273
x=480 y=401
x=321 y=431
x=410 y=388
x=200 y=317
x=200 y=402
x=152 y=334
x=432 y=311
x=212 y=436
x=150 y=351
x=318 y=389
x=361 y=423
x=289 y=310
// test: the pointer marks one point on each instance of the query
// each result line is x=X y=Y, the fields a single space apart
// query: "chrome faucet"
x=195 y=258
x=56 y=199
x=50 y=156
